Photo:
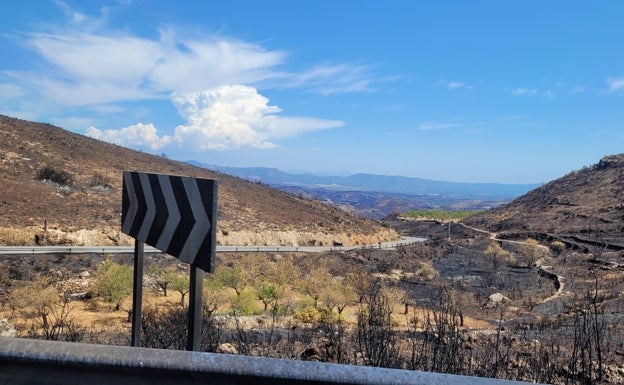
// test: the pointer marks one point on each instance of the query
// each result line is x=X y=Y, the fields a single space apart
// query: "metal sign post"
x=177 y=215
x=193 y=342
x=137 y=293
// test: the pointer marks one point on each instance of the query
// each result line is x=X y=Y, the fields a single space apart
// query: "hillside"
x=583 y=207
x=87 y=211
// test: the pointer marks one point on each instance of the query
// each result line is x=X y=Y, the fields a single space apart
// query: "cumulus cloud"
x=615 y=84
x=138 y=136
x=223 y=118
x=230 y=117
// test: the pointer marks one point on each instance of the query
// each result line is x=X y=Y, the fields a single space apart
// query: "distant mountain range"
x=376 y=196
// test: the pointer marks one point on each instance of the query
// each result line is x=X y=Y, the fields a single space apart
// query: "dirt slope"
x=584 y=206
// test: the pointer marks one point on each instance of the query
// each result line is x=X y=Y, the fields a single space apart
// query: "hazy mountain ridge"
x=376 y=196
x=378 y=183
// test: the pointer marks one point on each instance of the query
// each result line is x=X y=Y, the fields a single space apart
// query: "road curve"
x=25 y=250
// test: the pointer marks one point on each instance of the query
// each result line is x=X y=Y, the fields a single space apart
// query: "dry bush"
x=50 y=316
x=167 y=328
x=427 y=272
x=59 y=177
x=12 y=236
x=100 y=182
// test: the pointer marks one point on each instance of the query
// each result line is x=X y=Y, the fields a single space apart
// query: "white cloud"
x=223 y=118
x=88 y=68
x=230 y=117
x=137 y=136
x=333 y=79
x=86 y=65
x=455 y=84
x=524 y=91
x=615 y=84
x=11 y=91
x=429 y=126
x=81 y=19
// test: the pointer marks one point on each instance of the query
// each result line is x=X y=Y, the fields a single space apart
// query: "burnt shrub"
x=59 y=177
x=166 y=328
x=100 y=182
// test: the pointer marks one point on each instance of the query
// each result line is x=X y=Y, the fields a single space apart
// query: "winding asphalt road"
x=26 y=250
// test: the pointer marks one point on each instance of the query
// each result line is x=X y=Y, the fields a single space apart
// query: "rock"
x=227 y=348
x=322 y=351
x=495 y=300
x=6 y=329
x=85 y=274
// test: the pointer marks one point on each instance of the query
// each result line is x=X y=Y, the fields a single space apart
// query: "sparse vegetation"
x=358 y=315
x=557 y=247
x=39 y=303
x=114 y=282
x=59 y=177
x=440 y=215
x=100 y=182
x=361 y=307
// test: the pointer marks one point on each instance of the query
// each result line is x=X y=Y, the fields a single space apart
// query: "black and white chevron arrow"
x=175 y=214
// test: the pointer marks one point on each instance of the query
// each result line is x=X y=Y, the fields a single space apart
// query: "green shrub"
x=245 y=303
x=306 y=312
x=114 y=282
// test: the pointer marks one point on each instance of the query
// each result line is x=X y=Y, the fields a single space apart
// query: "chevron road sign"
x=174 y=214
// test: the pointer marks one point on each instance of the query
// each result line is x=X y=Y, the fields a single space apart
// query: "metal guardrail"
x=24 y=361
x=22 y=250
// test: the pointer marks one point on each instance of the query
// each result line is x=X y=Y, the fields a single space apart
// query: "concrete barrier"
x=25 y=361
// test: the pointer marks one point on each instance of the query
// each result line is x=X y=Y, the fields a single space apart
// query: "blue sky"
x=474 y=91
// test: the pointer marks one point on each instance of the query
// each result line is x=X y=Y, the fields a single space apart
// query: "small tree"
x=114 y=282
x=376 y=338
x=233 y=277
x=213 y=293
x=316 y=282
x=361 y=283
x=35 y=301
x=180 y=283
x=557 y=247
x=427 y=272
x=40 y=302
x=530 y=252
x=267 y=293
x=337 y=296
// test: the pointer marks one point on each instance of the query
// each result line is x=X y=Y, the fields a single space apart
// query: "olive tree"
x=113 y=282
